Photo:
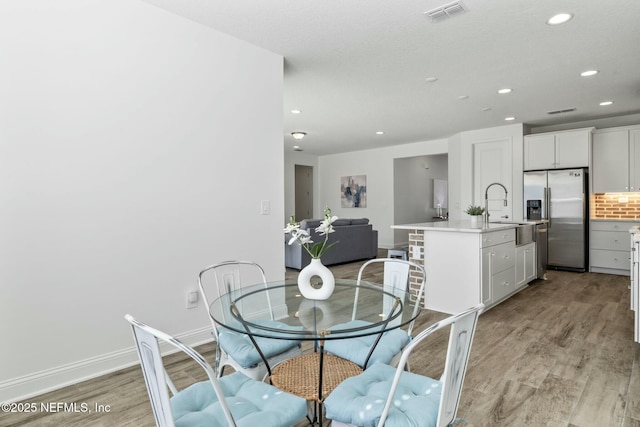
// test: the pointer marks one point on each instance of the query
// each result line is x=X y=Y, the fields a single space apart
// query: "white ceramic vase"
x=474 y=219
x=316 y=268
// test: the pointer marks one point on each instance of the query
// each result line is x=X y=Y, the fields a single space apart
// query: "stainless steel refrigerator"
x=560 y=196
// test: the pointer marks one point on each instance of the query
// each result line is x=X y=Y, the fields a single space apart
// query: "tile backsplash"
x=615 y=206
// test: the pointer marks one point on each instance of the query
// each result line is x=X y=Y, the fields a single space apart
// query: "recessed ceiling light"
x=505 y=90
x=589 y=73
x=296 y=111
x=509 y=118
x=463 y=97
x=605 y=103
x=431 y=79
x=486 y=109
x=560 y=18
x=298 y=135
x=380 y=132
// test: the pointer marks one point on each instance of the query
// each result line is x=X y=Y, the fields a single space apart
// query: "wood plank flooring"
x=560 y=353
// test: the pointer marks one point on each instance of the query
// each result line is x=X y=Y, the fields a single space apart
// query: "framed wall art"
x=353 y=191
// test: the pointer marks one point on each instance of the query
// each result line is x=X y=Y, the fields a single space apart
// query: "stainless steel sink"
x=524 y=234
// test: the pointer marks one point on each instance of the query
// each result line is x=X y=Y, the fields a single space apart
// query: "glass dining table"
x=353 y=310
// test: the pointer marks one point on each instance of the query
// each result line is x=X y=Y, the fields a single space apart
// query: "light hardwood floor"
x=560 y=353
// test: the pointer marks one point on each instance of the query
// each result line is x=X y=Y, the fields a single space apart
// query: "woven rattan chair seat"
x=301 y=375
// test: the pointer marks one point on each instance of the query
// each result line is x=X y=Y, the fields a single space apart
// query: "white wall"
x=377 y=165
x=136 y=147
x=413 y=191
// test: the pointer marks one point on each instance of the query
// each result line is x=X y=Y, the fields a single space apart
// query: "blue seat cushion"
x=252 y=403
x=242 y=350
x=360 y=400
x=357 y=349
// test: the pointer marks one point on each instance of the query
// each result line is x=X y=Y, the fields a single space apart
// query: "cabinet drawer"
x=611 y=240
x=613 y=225
x=503 y=283
x=503 y=257
x=497 y=237
x=610 y=259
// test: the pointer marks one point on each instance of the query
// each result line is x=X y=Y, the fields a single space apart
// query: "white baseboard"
x=37 y=383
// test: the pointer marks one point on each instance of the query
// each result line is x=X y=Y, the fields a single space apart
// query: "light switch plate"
x=192 y=299
x=265 y=207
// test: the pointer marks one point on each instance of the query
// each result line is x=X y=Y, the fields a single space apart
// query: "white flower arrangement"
x=302 y=236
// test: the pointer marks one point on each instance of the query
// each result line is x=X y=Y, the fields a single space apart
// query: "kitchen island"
x=467 y=264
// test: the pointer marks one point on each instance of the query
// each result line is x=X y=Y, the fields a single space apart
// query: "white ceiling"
x=355 y=67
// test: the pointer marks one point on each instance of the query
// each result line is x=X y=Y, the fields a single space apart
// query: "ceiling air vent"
x=445 y=12
x=564 y=110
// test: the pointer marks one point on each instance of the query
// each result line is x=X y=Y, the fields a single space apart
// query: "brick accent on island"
x=416 y=240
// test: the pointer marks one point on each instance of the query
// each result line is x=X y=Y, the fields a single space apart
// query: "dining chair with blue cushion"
x=392 y=397
x=393 y=340
x=234 y=400
x=237 y=349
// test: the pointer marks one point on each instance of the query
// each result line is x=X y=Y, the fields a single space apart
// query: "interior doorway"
x=303 y=192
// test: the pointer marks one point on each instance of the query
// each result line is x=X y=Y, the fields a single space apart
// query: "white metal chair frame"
x=228 y=283
x=398 y=279
x=146 y=339
x=463 y=327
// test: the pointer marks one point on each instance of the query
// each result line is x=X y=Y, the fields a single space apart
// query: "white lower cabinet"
x=503 y=284
x=525 y=264
x=498 y=268
x=609 y=247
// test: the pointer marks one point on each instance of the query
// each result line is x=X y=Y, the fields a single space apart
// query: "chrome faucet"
x=486 y=198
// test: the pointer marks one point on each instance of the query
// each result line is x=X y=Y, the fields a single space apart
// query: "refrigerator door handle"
x=547 y=200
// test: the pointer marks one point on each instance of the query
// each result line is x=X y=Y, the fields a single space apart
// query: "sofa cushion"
x=360 y=221
x=341 y=222
x=306 y=224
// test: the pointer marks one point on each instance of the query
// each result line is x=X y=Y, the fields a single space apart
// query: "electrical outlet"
x=415 y=252
x=192 y=299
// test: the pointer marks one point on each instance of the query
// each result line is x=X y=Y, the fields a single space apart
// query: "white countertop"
x=463 y=226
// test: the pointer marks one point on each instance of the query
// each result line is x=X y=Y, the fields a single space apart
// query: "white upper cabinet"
x=539 y=151
x=557 y=150
x=634 y=159
x=616 y=160
x=610 y=161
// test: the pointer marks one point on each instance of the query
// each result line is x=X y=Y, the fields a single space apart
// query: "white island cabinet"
x=525 y=264
x=465 y=264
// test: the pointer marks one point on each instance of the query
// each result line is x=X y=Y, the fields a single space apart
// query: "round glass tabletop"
x=278 y=310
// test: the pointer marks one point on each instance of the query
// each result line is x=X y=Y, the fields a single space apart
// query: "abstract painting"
x=353 y=191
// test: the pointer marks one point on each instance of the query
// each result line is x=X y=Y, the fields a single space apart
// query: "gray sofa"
x=357 y=240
